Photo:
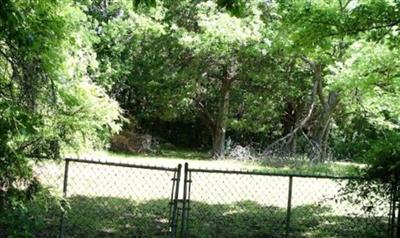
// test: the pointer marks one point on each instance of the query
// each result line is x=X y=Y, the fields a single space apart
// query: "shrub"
x=32 y=212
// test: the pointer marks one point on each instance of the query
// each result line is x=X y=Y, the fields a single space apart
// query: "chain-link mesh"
x=231 y=204
x=51 y=175
x=121 y=200
x=113 y=200
x=235 y=205
x=321 y=208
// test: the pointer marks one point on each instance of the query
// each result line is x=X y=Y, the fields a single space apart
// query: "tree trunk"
x=218 y=149
x=219 y=131
x=217 y=122
x=292 y=145
x=289 y=122
x=321 y=133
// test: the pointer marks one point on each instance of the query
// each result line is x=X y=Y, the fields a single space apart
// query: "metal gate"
x=231 y=203
x=107 y=199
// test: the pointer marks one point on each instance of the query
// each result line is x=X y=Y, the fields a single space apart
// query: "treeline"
x=290 y=77
x=312 y=77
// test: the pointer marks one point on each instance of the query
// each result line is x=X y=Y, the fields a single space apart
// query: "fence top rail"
x=276 y=174
x=119 y=164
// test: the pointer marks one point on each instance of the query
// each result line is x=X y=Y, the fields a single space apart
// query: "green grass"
x=165 y=154
x=298 y=165
x=117 y=217
x=252 y=220
x=185 y=154
x=305 y=167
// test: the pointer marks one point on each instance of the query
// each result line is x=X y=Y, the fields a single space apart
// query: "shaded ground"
x=116 y=217
x=249 y=219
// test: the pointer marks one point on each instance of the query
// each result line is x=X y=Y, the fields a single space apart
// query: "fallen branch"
x=294 y=131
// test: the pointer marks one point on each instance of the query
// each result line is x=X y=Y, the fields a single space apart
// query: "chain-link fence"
x=246 y=204
x=105 y=199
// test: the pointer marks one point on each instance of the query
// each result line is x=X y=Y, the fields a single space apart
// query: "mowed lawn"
x=214 y=197
x=144 y=184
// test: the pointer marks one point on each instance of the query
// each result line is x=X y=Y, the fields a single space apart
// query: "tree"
x=219 y=54
x=184 y=57
x=48 y=103
x=319 y=33
x=262 y=67
x=368 y=79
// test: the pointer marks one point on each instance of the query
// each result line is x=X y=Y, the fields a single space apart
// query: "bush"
x=384 y=159
x=381 y=175
x=33 y=212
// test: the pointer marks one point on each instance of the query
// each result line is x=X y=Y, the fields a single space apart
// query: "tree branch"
x=294 y=131
x=317 y=89
x=364 y=29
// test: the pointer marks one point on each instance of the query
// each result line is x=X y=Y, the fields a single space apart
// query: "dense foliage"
x=48 y=102
x=288 y=76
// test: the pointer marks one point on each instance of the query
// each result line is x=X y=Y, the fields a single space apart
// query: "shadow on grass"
x=250 y=219
x=117 y=217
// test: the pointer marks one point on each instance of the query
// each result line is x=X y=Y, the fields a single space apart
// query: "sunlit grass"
x=302 y=167
x=297 y=165
x=165 y=154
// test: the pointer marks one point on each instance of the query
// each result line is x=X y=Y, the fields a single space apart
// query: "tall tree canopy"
x=253 y=67
x=280 y=69
x=187 y=57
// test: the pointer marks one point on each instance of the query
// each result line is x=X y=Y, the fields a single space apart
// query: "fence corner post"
x=396 y=199
x=184 y=200
x=289 y=206
x=175 y=196
x=65 y=185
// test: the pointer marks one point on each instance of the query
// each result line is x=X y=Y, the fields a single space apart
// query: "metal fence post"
x=171 y=202
x=189 y=184
x=65 y=185
x=396 y=199
x=392 y=214
x=289 y=207
x=175 y=203
x=185 y=184
x=398 y=222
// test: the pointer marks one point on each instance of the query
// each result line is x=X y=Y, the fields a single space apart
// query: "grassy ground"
x=299 y=165
x=249 y=219
x=116 y=217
